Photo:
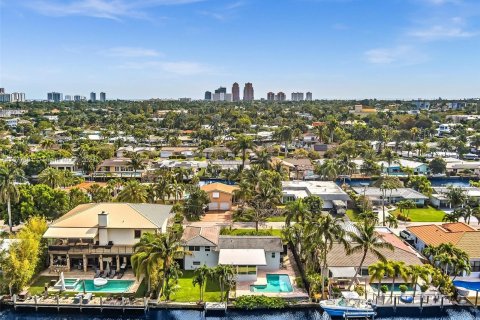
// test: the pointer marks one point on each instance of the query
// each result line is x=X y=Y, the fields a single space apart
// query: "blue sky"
x=180 y=48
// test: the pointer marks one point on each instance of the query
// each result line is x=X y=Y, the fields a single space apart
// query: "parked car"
x=406 y=235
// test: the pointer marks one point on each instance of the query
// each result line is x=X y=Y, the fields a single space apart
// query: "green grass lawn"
x=189 y=293
x=352 y=214
x=38 y=286
x=427 y=214
x=271 y=232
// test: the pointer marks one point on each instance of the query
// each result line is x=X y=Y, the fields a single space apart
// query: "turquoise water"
x=470 y=285
x=396 y=287
x=276 y=283
x=70 y=281
x=113 y=286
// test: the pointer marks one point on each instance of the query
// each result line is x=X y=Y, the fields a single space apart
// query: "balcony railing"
x=91 y=249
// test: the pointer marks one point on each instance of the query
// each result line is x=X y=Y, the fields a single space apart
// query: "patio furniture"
x=97 y=274
x=406 y=299
x=86 y=299
x=104 y=274
x=120 y=275
x=112 y=274
x=78 y=298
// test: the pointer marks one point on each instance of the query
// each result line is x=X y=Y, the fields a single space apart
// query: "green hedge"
x=259 y=302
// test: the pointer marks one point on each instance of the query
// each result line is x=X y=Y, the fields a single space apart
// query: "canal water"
x=307 y=314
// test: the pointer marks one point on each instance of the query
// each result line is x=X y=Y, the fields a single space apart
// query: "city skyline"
x=170 y=49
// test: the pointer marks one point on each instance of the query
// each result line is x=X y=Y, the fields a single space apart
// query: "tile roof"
x=84 y=186
x=201 y=236
x=217 y=186
x=434 y=235
x=457 y=227
x=470 y=243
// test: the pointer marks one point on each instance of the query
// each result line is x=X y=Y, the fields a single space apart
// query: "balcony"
x=90 y=249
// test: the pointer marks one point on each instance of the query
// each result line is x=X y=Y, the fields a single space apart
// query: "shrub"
x=299 y=282
x=360 y=290
x=384 y=288
x=403 y=288
x=424 y=287
x=403 y=217
x=259 y=302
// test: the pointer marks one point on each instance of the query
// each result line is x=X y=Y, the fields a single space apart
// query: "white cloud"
x=449 y=29
x=405 y=55
x=130 y=52
x=107 y=9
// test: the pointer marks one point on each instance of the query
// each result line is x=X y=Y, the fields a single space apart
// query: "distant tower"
x=248 y=92
x=309 y=96
x=208 y=95
x=103 y=97
x=297 y=96
x=2 y=90
x=270 y=96
x=236 y=92
x=93 y=96
x=54 y=96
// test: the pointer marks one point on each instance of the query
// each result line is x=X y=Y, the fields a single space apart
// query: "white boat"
x=340 y=307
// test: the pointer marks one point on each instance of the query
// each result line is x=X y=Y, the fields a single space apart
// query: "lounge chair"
x=97 y=273
x=112 y=274
x=78 y=298
x=104 y=274
x=86 y=299
x=120 y=275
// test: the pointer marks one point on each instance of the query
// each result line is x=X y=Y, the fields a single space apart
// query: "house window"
x=207 y=248
x=273 y=254
x=196 y=263
x=216 y=195
x=137 y=234
x=247 y=270
x=475 y=266
x=193 y=248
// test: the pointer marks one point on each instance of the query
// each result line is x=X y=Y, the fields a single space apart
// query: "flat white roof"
x=67 y=233
x=242 y=257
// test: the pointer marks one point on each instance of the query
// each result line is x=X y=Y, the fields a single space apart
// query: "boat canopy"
x=342 y=272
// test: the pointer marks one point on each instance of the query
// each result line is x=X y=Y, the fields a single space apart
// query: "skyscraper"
x=2 y=90
x=236 y=92
x=280 y=96
x=297 y=96
x=77 y=97
x=221 y=90
x=208 y=95
x=54 y=96
x=93 y=96
x=248 y=92
x=270 y=96
x=103 y=97
x=17 y=97
x=309 y=96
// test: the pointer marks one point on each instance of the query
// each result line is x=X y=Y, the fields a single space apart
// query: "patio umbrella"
x=83 y=286
x=107 y=268
x=62 y=282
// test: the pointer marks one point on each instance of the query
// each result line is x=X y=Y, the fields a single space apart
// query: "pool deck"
x=289 y=268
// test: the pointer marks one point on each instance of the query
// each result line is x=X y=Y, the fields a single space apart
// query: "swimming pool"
x=276 y=283
x=396 y=287
x=470 y=285
x=70 y=284
x=112 y=286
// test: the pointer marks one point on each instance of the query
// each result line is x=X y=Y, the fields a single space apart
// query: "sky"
x=337 y=49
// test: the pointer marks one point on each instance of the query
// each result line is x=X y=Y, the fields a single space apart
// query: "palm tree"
x=285 y=134
x=386 y=184
x=262 y=158
x=177 y=190
x=389 y=156
x=366 y=240
x=392 y=221
x=456 y=196
x=241 y=144
x=297 y=211
x=332 y=124
x=409 y=148
x=9 y=192
x=133 y=192
x=397 y=269
x=136 y=161
x=416 y=272
x=200 y=277
x=147 y=255
x=321 y=133
x=51 y=177
x=377 y=271
x=225 y=275
x=328 y=170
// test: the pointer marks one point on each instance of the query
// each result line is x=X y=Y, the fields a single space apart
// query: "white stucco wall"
x=272 y=263
x=208 y=258
x=125 y=236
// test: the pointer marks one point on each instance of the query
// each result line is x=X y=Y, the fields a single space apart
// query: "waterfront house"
x=200 y=244
x=459 y=234
x=375 y=195
x=439 y=195
x=69 y=164
x=329 y=191
x=396 y=167
x=92 y=235
x=221 y=196
x=119 y=168
x=184 y=152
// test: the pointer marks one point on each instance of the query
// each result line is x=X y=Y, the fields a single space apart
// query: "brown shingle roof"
x=470 y=243
x=200 y=236
x=221 y=187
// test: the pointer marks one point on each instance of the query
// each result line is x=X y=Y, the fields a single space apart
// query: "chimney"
x=103 y=219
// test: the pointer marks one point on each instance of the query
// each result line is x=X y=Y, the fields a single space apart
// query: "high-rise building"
x=309 y=96
x=2 y=90
x=236 y=92
x=103 y=97
x=297 y=96
x=4 y=97
x=93 y=96
x=270 y=96
x=17 y=97
x=222 y=97
x=77 y=97
x=221 y=90
x=54 y=96
x=68 y=97
x=248 y=92
x=208 y=95
x=280 y=96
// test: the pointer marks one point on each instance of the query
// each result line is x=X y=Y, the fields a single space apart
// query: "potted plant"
x=424 y=288
x=403 y=288
x=384 y=289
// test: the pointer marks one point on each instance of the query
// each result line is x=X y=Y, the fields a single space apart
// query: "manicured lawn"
x=38 y=286
x=352 y=214
x=271 y=232
x=276 y=219
x=427 y=214
x=189 y=293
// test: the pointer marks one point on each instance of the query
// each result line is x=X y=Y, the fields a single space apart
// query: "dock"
x=215 y=307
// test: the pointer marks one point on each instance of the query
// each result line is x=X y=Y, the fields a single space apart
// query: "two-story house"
x=92 y=235
x=221 y=196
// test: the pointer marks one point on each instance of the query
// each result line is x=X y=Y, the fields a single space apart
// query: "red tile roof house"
x=220 y=195
x=459 y=234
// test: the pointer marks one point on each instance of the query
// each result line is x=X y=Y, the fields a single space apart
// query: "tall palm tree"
x=390 y=157
x=397 y=269
x=9 y=175
x=136 y=161
x=416 y=272
x=241 y=144
x=133 y=192
x=297 y=211
x=263 y=159
x=52 y=177
x=328 y=170
x=200 y=277
x=225 y=275
x=366 y=240
x=377 y=271
x=285 y=135
x=147 y=256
